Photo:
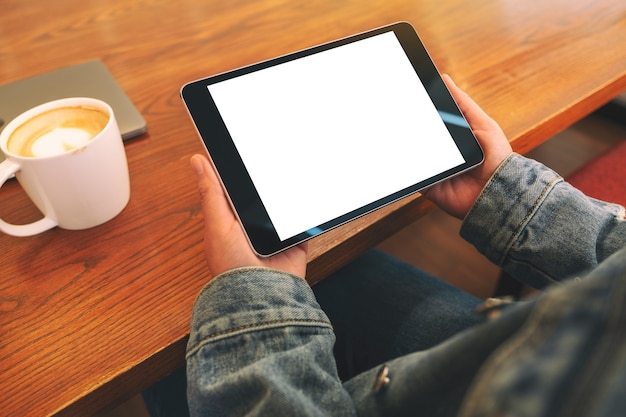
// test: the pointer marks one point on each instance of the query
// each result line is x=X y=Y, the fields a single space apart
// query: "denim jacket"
x=260 y=344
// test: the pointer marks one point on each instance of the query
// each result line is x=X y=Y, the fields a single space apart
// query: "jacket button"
x=382 y=379
x=492 y=307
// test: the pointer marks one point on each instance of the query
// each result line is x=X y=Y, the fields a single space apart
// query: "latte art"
x=57 y=131
x=60 y=140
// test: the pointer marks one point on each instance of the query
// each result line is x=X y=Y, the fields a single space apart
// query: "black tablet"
x=308 y=141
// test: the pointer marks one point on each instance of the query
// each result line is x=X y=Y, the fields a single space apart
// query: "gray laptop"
x=90 y=79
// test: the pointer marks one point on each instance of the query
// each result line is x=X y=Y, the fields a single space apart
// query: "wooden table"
x=90 y=318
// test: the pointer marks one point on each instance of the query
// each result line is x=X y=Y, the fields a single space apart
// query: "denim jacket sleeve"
x=260 y=345
x=539 y=228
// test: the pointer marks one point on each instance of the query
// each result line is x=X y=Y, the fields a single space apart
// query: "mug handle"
x=7 y=169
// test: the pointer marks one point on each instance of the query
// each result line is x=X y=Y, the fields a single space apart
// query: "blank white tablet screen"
x=329 y=133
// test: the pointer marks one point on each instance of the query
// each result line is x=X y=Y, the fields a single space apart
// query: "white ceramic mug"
x=77 y=189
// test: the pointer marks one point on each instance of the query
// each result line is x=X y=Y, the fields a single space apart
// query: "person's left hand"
x=226 y=246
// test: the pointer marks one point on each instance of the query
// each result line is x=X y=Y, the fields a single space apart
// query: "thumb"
x=204 y=173
x=214 y=202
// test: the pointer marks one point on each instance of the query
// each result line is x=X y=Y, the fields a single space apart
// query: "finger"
x=487 y=130
x=215 y=207
x=225 y=244
x=475 y=115
x=211 y=193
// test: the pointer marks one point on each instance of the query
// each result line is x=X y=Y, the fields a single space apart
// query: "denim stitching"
x=517 y=232
x=224 y=334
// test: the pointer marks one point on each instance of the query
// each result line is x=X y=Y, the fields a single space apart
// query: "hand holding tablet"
x=225 y=244
x=309 y=141
x=457 y=194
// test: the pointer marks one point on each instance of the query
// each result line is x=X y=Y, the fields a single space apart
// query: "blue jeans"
x=380 y=307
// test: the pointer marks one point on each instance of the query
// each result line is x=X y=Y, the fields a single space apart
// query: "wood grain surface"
x=90 y=318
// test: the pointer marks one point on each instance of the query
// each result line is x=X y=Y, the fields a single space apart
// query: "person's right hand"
x=457 y=195
x=225 y=243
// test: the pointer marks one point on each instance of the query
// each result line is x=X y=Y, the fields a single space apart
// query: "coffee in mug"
x=69 y=157
x=57 y=130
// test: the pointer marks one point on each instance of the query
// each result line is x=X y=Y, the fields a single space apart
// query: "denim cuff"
x=249 y=300
x=505 y=206
x=539 y=228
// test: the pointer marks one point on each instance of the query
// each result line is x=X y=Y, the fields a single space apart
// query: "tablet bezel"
x=234 y=176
